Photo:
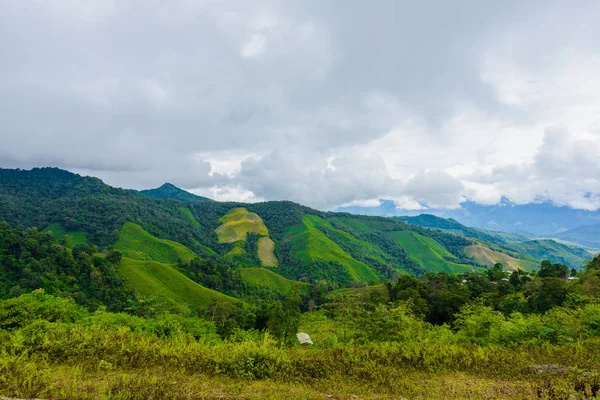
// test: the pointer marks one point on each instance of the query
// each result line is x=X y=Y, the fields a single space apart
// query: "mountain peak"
x=169 y=191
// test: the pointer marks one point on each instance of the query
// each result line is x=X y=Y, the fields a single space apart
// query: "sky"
x=325 y=103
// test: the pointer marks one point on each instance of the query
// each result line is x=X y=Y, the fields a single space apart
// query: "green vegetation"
x=30 y=260
x=134 y=242
x=263 y=277
x=428 y=253
x=237 y=223
x=311 y=244
x=456 y=228
x=71 y=239
x=172 y=332
x=266 y=252
x=150 y=278
x=170 y=191
x=551 y=250
x=188 y=214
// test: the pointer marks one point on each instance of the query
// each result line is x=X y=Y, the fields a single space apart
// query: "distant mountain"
x=543 y=219
x=170 y=191
x=452 y=226
x=514 y=245
x=587 y=235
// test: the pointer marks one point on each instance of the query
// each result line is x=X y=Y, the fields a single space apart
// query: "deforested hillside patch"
x=266 y=252
x=429 y=253
x=488 y=257
x=135 y=243
x=237 y=223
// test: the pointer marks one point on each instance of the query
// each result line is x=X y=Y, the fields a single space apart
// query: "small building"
x=304 y=339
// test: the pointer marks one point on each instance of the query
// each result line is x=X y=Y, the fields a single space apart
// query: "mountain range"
x=275 y=245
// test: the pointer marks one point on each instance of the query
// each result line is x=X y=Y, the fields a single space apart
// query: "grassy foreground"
x=50 y=348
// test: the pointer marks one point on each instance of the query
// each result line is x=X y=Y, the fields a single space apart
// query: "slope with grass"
x=266 y=252
x=153 y=278
x=430 y=254
x=311 y=244
x=135 y=243
x=72 y=238
x=536 y=250
x=263 y=277
x=237 y=223
x=488 y=257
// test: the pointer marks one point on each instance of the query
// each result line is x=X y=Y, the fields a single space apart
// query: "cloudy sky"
x=321 y=102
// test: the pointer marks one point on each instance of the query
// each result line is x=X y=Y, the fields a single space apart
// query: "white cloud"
x=254 y=46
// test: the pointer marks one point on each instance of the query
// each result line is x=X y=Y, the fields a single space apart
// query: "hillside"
x=511 y=249
x=572 y=256
x=150 y=278
x=454 y=227
x=488 y=257
x=263 y=277
x=170 y=191
x=428 y=253
x=134 y=242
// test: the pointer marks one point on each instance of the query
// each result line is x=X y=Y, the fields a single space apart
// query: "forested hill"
x=170 y=191
x=284 y=238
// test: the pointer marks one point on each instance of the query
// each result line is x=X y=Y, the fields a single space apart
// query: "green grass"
x=237 y=223
x=72 y=238
x=427 y=252
x=188 y=214
x=364 y=224
x=237 y=251
x=134 y=242
x=263 y=277
x=266 y=252
x=154 y=278
x=352 y=245
x=310 y=244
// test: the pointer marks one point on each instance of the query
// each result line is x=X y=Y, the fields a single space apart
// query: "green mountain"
x=189 y=251
x=170 y=191
x=454 y=227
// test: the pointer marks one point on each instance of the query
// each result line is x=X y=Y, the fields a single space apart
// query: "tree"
x=284 y=319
